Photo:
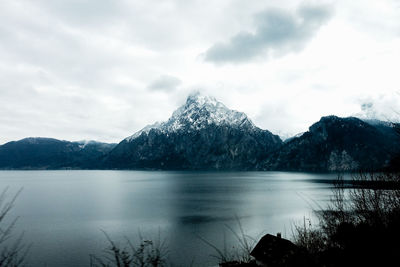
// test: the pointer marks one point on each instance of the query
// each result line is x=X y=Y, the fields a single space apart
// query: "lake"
x=63 y=213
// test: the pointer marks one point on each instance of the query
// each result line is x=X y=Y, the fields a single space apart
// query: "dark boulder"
x=275 y=251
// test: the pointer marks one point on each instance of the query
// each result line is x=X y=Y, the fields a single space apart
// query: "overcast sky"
x=104 y=69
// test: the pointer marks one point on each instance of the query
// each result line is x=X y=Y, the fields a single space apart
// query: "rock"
x=274 y=251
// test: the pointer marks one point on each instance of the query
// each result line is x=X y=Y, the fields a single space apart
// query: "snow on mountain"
x=198 y=112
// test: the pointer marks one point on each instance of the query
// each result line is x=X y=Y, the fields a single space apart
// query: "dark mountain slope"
x=337 y=144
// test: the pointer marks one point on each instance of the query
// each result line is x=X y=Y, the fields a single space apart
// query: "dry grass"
x=12 y=250
x=239 y=253
x=146 y=253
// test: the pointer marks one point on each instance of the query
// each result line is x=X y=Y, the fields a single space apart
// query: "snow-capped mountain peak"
x=199 y=99
x=198 y=112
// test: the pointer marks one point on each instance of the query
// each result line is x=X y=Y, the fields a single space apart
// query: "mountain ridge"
x=50 y=153
x=338 y=144
x=203 y=134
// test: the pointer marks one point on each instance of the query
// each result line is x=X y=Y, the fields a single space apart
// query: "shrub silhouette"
x=12 y=250
x=360 y=226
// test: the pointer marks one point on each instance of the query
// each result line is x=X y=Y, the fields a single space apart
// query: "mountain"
x=202 y=134
x=48 y=153
x=338 y=144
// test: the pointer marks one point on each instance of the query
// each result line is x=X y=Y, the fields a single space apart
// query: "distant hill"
x=48 y=153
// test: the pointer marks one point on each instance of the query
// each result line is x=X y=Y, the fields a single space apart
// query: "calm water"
x=63 y=212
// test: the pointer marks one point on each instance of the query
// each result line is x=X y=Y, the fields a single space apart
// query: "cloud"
x=276 y=32
x=165 y=83
x=367 y=106
x=384 y=107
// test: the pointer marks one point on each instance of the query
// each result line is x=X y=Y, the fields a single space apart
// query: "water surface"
x=63 y=212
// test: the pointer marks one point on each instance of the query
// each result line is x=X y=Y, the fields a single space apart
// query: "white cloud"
x=276 y=32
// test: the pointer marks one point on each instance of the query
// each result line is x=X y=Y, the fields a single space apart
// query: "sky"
x=104 y=69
